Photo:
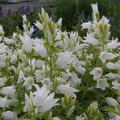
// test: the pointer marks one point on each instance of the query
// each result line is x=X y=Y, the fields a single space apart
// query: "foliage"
x=74 y=12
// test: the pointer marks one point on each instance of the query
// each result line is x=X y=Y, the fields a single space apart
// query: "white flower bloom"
x=87 y=25
x=3 y=48
x=97 y=73
x=2 y=61
x=13 y=58
x=9 y=41
x=91 y=40
x=113 y=116
x=116 y=85
x=24 y=18
x=78 y=65
x=39 y=63
x=56 y=118
x=39 y=25
x=29 y=81
x=104 y=20
x=104 y=56
x=113 y=44
x=113 y=76
x=102 y=84
x=4 y=102
x=58 y=36
x=112 y=66
x=3 y=80
x=111 y=101
x=39 y=74
x=59 y=21
x=9 y=115
x=75 y=81
x=1 y=30
x=95 y=8
x=80 y=117
x=64 y=59
x=8 y=91
x=67 y=90
x=40 y=49
x=28 y=103
x=94 y=105
x=43 y=100
x=27 y=42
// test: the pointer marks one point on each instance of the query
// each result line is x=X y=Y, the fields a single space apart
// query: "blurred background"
x=73 y=12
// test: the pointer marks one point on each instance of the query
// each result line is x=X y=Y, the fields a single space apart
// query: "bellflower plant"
x=60 y=75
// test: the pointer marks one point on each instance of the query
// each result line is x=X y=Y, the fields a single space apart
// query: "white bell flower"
x=3 y=48
x=1 y=30
x=112 y=66
x=111 y=101
x=97 y=73
x=95 y=8
x=79 y=66
x=39 y=25
x=42 y=100
x=3 y=80
x=9 y=115
x=75 y=81
x=91 y=40
x=28 y=103
x=113 y=76
x=104 y=56
x=28 y=82
x=87 y=25
x=9 y=41
x=113 y=44
x=40 y=49
x=4 y=102
x=27 y=42
x=104 y=20
x=56 y=118
x=102 y=84
x=94 y=105
x=80 y=117
x=64 y=58
x=8 y=91
x=116 y=85
x=67 y=90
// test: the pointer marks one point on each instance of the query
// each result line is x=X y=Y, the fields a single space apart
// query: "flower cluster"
x=60 y=75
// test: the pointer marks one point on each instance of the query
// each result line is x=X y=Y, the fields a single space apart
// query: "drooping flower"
x=112 y=66
x=3 y=80
x=116 y=85
x=4 y=102
x=87 y=25
x=8 y=91
x=113 y=44
x=9 y=115
x=111 y=101
x=97 y=73
x=102 y=84
x=104 y=56
x=1 y=30
x=67 y=90
x=91 y=40
x=64 y=58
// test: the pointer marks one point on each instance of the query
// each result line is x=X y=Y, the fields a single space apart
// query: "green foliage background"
x=73 y=12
